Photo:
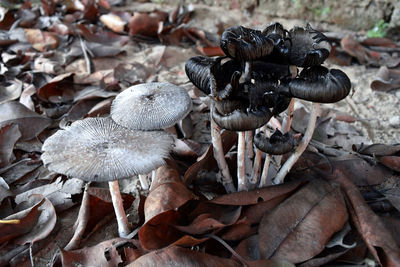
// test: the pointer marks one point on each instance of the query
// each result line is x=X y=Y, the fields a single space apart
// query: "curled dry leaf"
x=10 y=91
x=363 y=55
x=59 y=89
x=30 y=123
x=42 y=41
x=37 y=219
x=177 y=256
x=108 y=254
x=377 y=149
x=9 y=134
x=378 y=239
x=299 y=227
x=386 y=79
x=168 y=192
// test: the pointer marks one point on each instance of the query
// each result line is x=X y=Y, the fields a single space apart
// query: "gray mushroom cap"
x=98 y=149
x=151 y=106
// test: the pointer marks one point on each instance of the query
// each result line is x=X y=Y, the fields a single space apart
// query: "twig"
x=80 y=224
x=301 y=147
x=31 y=255
x=220 y=156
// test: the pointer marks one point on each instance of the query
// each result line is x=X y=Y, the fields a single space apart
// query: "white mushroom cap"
x=151 y=106
x=98 y=149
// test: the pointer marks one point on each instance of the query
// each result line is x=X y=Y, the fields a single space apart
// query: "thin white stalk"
x=220 y=156
x=122 y=220
x=256 y=172
x=286 y=124
x=241 y=172
x=267 y=161
x=264 y=175
x=301 y=147
x=143 y=181
x=249 y=154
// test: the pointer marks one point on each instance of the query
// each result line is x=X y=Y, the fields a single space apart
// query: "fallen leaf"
x=9 y=134
x=386 y=79
x=378 y=239
x=113 y=22
x=37 y=219
x=377 y=149
x=42 y=41
x=363 y=55
x=299 y=227
x=30 y=123
x=176 y=256
x=392 y=162
x=146 y=24
x=10 y=91
x=60 y=89
x=167 y=193
x=107 y=253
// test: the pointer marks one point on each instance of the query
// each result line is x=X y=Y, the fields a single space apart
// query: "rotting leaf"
x=377 y=149
x=177 y=256
x=299 y=227
x=9 y=134
x=107 y=253
x=30 y=123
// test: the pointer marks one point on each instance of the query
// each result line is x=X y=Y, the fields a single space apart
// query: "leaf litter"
x=65 y=62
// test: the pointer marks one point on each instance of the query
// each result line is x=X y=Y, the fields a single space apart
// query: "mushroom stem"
x=143 y=181
x=287 y=122
x=301 y=147
x=249 y=154
x=267 y=161
x=241 y=173
x=122 y=220
x=220 y=156
x=247 y=71
x=255 y=175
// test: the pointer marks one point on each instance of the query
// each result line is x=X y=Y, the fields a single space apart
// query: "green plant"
x=379 y=30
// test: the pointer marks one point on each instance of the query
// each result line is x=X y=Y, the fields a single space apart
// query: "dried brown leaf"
x=9 y=134
x=10 y=91
x=113 y=22
x=42 y=41
x=176 y=256
x=299 y=227
x=107 y=253
x=386 y=79
x=30 y=123
x=378 y=239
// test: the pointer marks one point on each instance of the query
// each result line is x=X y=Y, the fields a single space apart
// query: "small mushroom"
x=151 y=106
x=319 y=84
x=212 y=78
x=309 y=47
x=244 y=44
x=277 y=144
x=98 y=149
x=282 y=43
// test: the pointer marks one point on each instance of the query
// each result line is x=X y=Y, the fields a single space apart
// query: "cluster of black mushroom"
x=260 y=75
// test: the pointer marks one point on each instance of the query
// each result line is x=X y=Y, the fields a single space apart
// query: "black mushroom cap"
x=98 y=149
x=277 y=144
x=242 y=119
x=213 y=78
x=319 y=84
x=244 y=44
x=309 y=47
x=282 y=43
x=266 y=71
